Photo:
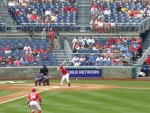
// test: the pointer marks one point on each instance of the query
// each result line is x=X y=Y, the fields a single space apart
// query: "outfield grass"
x=118 y=100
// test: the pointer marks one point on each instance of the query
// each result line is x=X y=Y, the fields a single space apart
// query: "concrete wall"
x=32 y=72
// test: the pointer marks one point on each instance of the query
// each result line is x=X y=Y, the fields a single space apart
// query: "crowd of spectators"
x=115 y=50
x=105 y=15
x=51 y=11
x=29 y=52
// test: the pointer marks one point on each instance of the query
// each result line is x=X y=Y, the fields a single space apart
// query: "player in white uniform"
x=32 y=101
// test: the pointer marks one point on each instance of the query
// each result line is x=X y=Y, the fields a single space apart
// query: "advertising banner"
x=88 y=73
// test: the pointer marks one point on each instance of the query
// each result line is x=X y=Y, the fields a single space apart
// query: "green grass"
x=98 y=101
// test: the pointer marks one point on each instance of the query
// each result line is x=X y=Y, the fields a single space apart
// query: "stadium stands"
x=57 y=12
x=125 y=16
x=119 y=50
x=12 y=51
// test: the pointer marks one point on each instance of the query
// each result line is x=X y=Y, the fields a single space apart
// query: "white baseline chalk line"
x=21 y=96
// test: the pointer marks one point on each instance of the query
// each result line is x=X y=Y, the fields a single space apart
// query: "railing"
x=68 y=50
x=72 y=27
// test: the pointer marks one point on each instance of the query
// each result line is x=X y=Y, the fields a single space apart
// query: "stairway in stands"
x=60 y=54
x=6 y=18
x=146 y=45
x=83 y=13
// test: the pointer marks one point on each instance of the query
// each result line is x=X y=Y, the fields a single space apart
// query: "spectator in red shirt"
x=148 y=60
x=42 y=50
x=35 y=51
x=4 y=47
x=119 y=40
x=17 y=12
x=10 y=60
x=30 y=58
x=132 y=39
x=33 y=17
x=139 y=40
x=73 y=9
x=111 y=40
x=107 y=45
x=67 y=8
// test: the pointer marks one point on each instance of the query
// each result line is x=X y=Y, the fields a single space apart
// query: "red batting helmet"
x=33 y=90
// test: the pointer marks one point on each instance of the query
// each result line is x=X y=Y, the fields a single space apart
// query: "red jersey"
x=64 y=71
x=33 y=96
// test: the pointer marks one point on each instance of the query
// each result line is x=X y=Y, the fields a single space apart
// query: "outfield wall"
x=31 y=72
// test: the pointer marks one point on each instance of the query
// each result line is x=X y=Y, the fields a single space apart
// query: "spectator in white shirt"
x=77 y=63
x=27 y=49
x=74 y=59
x=90 y=41
x=74 y=41
x=48 y=12
x=107 y=12
x=11 y=3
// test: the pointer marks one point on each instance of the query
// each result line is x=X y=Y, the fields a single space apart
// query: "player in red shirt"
x=32 y=101
x=65 y=74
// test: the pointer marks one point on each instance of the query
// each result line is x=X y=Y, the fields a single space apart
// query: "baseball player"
x=40 y=79
x=32 y=100
x=65 y=74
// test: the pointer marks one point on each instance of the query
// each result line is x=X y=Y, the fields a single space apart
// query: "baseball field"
x=84 y=96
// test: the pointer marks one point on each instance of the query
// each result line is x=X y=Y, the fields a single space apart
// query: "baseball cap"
x=33 y=90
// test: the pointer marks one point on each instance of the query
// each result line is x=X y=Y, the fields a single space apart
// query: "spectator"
x=4 y=47
x=10 y=61
x=77 y=63
x=92 y=60
x=13 y=48
x=74 y=59
x=56 y=40
x=42 y=50
x=51 y=36
x=113 y=25
x=107 y=26
x=124 y=60
x=27 y=49
x=73 y=9
x=76 y=47
x=53 y=18
x=17 y=62
x=82 y=60
x=94 y=24
x=111 y=40
x=11 y=3
x=90 y=41
x=20 y=47
x=59 y=17
x=30 y=58
x=99 y=60
x=38 y=58
x=24 y=61
x=100 y=26
x=148 y=61
x=107 y=12
x=3 y=62
x=30 y=33
x=44 y=34
x=47 y=20
x=74 y=41
x=48 y=12
x=83 y=40
x=145 y=68
x=140 y=49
